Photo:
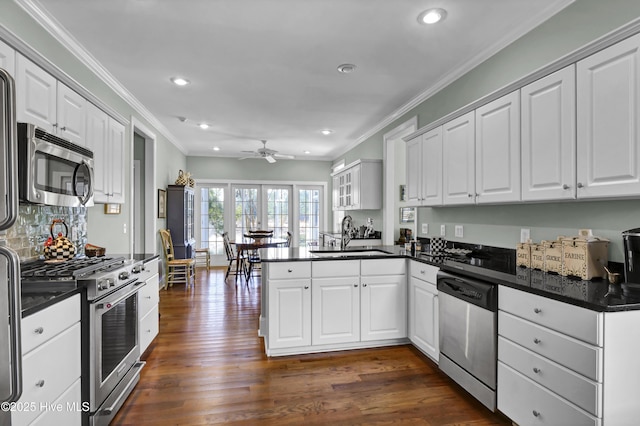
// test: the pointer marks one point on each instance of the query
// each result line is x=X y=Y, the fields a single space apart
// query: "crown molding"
x=57 y=31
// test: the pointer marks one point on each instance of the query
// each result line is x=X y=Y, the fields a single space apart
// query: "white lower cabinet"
x=51 y=366
x=334 y=304
x=560 y=364
x=423 y=309
x=148 y=300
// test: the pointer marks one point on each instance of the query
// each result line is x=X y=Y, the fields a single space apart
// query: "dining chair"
x=177 y=271
x=289 y=238
x=233 y=257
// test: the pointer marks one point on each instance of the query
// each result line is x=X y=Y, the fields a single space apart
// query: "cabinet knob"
x=469 y=195
x=289 y=270
x=536 y=341
x=40 y=383
x=364 y=285
x=422 y=271
x=537 y=310
x=39 y=330
x=565 y=186
x=536 y=370
x=580 y=185
x=55 y=125
x=306 y=287
x=63 y=128
x=355 y=285
x=536 y=413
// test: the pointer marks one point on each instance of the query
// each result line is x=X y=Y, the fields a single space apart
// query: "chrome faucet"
x=347 y=221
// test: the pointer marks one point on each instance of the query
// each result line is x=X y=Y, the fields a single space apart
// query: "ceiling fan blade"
x=291 y=157
x=244 y=158
x=270 y=159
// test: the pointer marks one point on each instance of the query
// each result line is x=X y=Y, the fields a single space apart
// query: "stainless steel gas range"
x=110 y=347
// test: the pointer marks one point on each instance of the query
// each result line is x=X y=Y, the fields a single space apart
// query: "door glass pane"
x=212 y=219
x=278 y=211
x=246 y=211
x=309 y=217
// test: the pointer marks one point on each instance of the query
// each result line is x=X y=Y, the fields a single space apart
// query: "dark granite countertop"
x=597 y=295
x=35 y=302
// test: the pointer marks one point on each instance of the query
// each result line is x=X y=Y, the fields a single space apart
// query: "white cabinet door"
x=97 y=135
x=336 y=192
x=289 y=314
x=414 y=171
x=431 y=160
x=423 y=317
x=335 y=310
x=549 y=137
x=356 y=182
x=498 y=150
x=116 y=168
x=8 y=59
x=71 y=115
x=35 y=95
x=458 y=152
x=384 y=307
x=608 y=94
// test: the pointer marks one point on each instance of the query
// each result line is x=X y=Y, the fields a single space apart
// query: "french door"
x=261 y=207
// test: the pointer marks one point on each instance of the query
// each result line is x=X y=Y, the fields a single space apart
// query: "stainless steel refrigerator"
x=10 y=348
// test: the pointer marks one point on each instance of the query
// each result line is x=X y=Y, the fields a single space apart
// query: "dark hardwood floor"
x=208 y=367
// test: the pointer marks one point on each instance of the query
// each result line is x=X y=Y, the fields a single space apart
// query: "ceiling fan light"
x=270 y=159
x=432 y=16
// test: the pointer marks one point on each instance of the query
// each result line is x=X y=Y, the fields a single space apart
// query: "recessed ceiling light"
x=432 y=16
x=326 y=131
x=216 y=148
x=346 y=68
x=307 y=152
x=203 y=126
x=179 y=81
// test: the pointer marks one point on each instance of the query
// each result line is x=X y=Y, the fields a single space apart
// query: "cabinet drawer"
x=527 y=403
x=286 y=270
x=571 y=353
x=148 y=296
x=335 y=268
x=43 y=325
x=70 y=415
x=149 y=328
x=48 y=370
x=584 y=325
x=383 y=267
x=150 y=269
x=583 y=392
x=424 y=272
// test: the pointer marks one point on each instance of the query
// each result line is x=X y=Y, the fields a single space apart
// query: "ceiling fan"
x=268 y=154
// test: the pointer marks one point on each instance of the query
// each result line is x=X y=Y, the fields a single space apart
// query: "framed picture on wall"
x=403 y=192
x=407 y=214
x=112 y=209
x=162 y=203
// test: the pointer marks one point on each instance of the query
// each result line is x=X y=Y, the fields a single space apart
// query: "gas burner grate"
x=73 y=268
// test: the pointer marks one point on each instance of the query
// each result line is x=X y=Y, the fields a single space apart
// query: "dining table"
x=257 y=243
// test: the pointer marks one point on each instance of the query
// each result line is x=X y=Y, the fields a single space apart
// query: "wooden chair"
x=203 y=258
x=289 y=238
x=232 y=258
x=177 y=271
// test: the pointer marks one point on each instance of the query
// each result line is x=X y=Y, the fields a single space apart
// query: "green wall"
x=103 y=230
x=258 y=169
x=577 y=25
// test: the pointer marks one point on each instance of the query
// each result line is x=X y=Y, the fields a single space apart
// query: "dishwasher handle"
x=476 y=292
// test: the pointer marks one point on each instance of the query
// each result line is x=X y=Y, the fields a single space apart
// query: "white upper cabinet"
x=458 y=152
x=8 y=59
x=608 y=96
x=424 y=169
x=549 y=137
x=498 y=150
x=105 y=137
x=358 y=186
x=35 y=95
x=48 y=103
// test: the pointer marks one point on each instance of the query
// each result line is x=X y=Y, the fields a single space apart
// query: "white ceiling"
x=266 y=69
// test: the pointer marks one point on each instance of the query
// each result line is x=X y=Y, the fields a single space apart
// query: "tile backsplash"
x=32 y=228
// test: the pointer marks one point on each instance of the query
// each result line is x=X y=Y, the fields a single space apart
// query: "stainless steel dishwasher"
x=468 y=334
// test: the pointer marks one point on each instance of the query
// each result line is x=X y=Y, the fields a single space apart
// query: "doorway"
x=143 y=195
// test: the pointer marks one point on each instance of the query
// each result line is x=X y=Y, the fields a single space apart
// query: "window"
x=278 y=211
x=212 y=219
x=246 y=210
x=309 y=223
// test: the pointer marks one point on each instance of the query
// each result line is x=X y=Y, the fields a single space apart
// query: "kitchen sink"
x=349 y=253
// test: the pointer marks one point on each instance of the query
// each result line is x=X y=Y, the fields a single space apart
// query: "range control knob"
x=124 y=275
x=137 y=269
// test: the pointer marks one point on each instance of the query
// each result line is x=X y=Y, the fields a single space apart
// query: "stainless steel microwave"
x=52 y=170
